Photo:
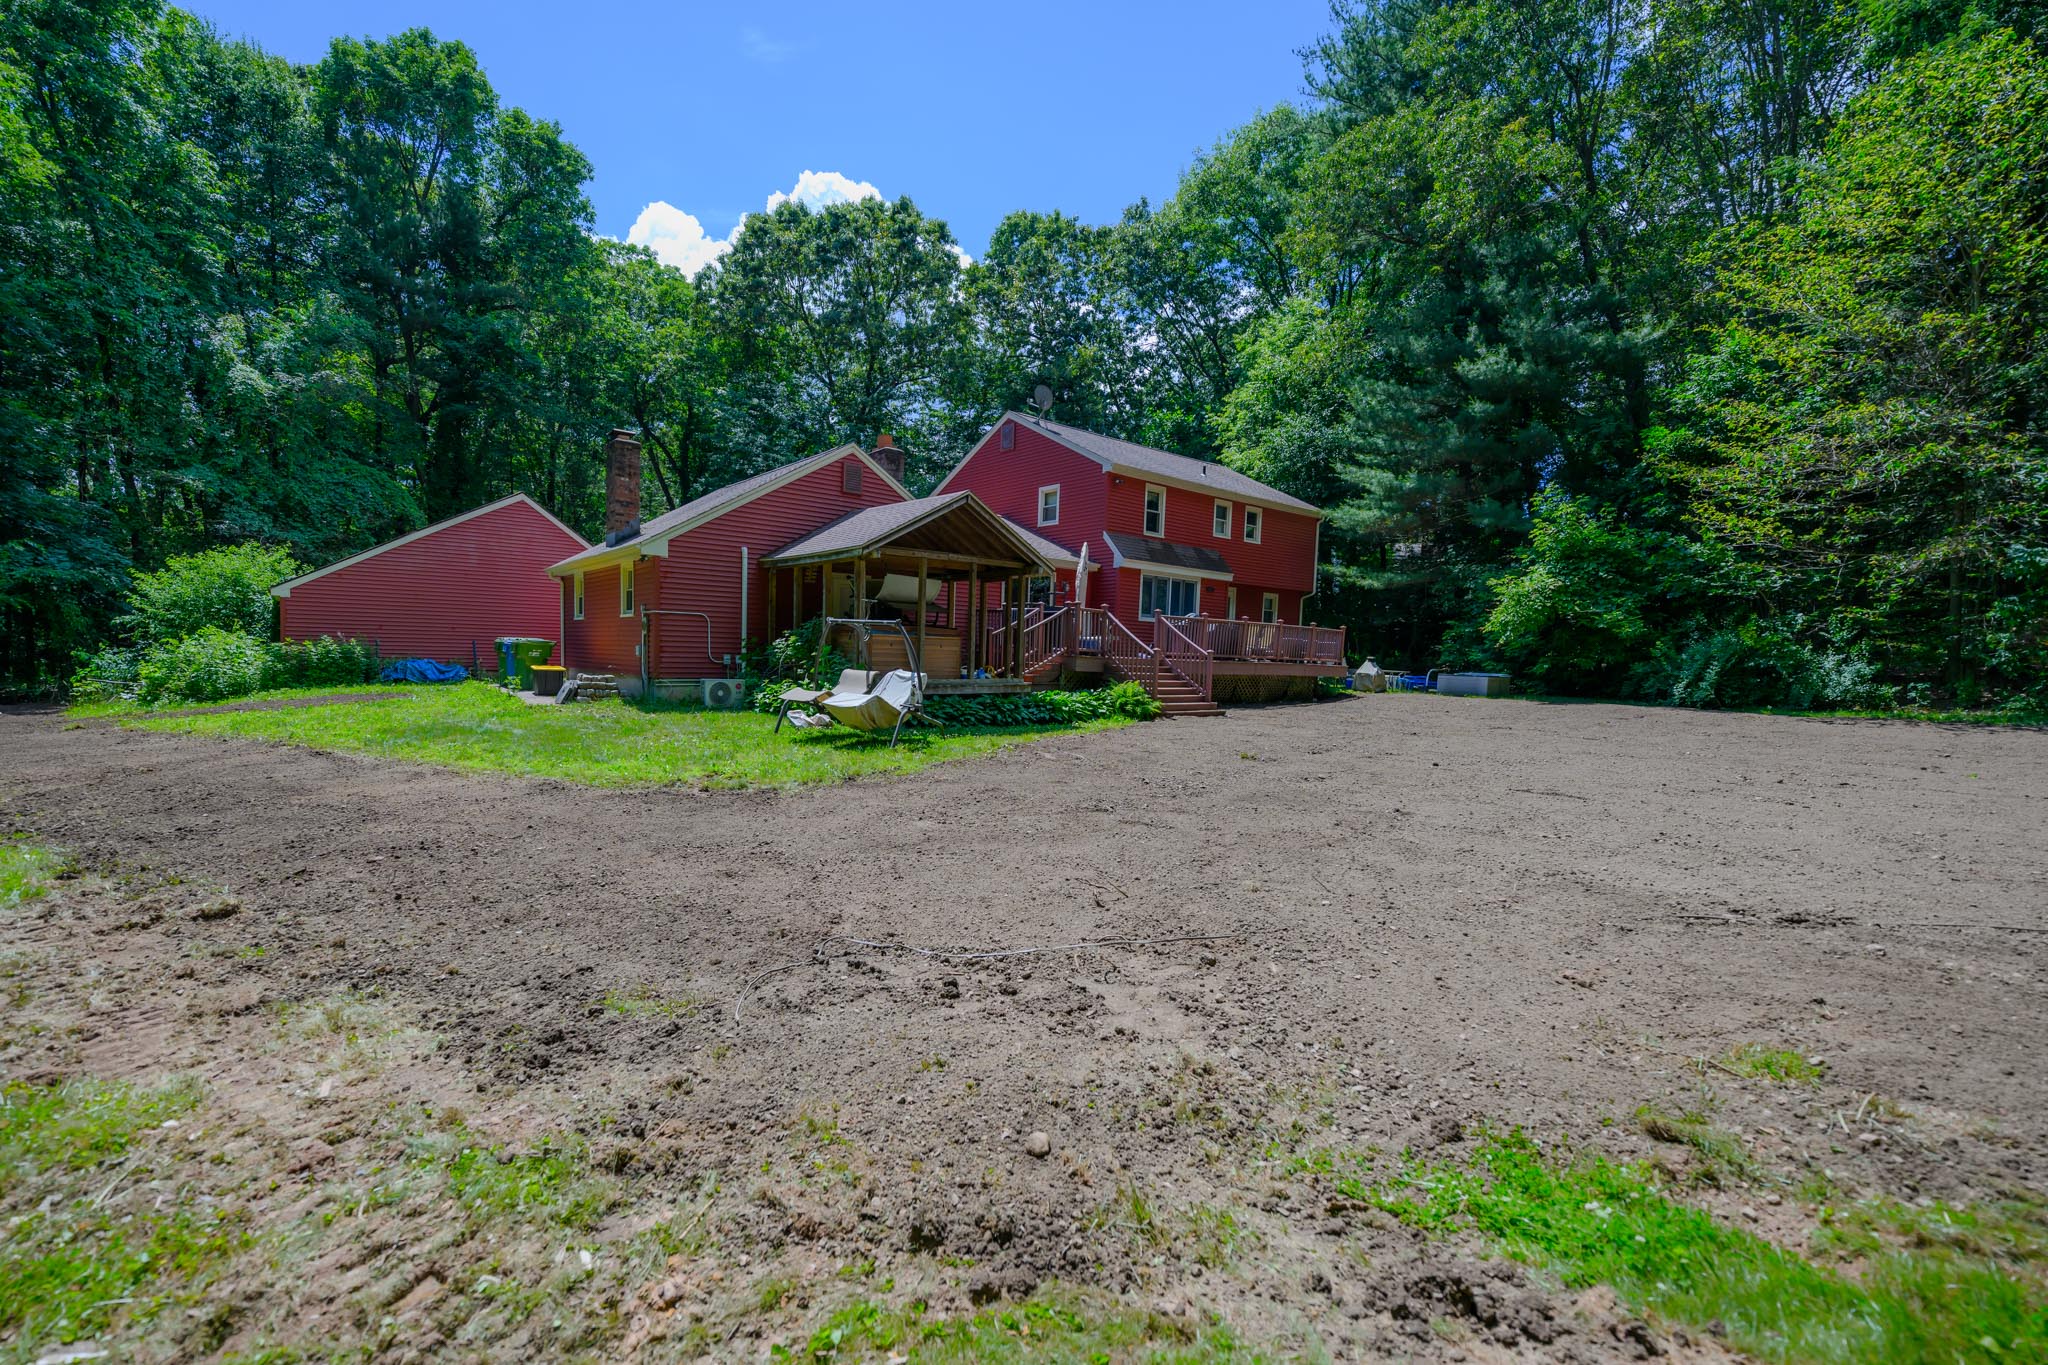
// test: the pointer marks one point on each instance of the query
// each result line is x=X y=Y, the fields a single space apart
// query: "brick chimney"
x=621 y=480
x=889 y=455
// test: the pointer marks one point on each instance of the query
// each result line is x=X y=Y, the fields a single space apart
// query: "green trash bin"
x=521 y=653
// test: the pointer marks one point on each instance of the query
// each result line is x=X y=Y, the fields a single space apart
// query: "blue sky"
x=695 y=114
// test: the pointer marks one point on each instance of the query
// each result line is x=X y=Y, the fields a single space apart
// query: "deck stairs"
x=1179 y=697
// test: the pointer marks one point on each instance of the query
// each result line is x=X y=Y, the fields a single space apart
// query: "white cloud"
x=816 y=189
x=765 y=49
x=677 y=238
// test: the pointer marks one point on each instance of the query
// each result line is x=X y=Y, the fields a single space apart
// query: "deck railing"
x=1262 y=641
x=1046 y=636
x=1179 y=653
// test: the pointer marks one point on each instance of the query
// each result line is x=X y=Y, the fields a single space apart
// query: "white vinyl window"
x=1172 y=596
x=1155 y=510
x=625 y=590
x=579 y=597
x=1269 y=608
x=1049 y=505
x=1221 y=526
x=1253 y=524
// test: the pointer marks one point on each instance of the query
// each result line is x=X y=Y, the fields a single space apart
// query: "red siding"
x=702 y=571
x=1092 y=502
x=439 y=596
x=604 y=641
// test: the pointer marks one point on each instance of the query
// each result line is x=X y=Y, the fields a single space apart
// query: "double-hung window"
x=625 y=590
x=1155 y=510
x=1220 y=527
x=1158 y=595
x=1049 y=505
x=1253 y=523
x=579 y=597
x=1269 y=608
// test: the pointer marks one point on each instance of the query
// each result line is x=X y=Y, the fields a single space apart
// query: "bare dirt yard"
x=471 y=1067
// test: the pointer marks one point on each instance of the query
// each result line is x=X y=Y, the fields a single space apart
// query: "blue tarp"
x=423 y=671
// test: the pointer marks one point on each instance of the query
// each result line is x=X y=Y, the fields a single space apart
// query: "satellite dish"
x=1041 y=398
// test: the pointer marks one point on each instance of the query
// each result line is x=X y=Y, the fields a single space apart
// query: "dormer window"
x=1155 y=510
x=1049 y=505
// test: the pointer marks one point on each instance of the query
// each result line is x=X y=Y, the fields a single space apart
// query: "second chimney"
x=889 y=455
x=621 y=480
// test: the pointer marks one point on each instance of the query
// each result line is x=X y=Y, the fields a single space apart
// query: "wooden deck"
x=1179 y=665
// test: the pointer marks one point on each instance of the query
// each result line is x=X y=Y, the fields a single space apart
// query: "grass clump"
x=82 y=1244
x=25 y=872
x=645 y=1002
x=1050 y=1326
x=1721 y=1155
x=551 y=1183
x=480 y=728
x=1759 y=1061
x=1594 y=1222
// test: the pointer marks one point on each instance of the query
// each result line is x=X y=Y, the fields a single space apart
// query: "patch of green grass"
x=1061 y=1328
x=25 y=872
x=2011 y=1232
x=551 y=1183
x=119 y=708
x=1594 y=1222
x=1212 y=1236
x=641 y=1002
x=77 y=1251
x=1762 y=1062
x=478 y=727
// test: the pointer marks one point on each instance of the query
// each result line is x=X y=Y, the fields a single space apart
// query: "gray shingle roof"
x=1145 y=550
x=1136 y=459
x=709 y=504
x=856 y=529
x=1051 y=551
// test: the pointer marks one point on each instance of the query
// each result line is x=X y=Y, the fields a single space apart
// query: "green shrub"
x=226 y=589
x=109 y=673
x=1757 y=665
x=215 y=665
x=1125 y=699
x=211 y=664
x=790 y=660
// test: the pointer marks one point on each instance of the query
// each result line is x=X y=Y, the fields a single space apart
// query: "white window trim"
x=629 y=588
x=1270 y=601
x=1194 y=583
x=1254 y=525
x=1054 y=519
x=1223 y=507
x=1146 y=506
x=577 y=589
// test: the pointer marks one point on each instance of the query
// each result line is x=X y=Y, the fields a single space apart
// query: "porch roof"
x=1146 y=552
x=956 y=529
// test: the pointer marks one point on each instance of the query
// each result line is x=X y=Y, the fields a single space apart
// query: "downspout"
x=562 y=620
x=645 y=685
x=1315 y=575
x=743 y=608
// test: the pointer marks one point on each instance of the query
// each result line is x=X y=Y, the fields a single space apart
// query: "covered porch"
x=947 y=568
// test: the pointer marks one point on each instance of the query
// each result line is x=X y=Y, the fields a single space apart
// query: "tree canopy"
x=1687 y=349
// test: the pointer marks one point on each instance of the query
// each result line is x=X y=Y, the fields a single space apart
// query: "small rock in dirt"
x=1210 y=959
x=220 y=907
x=949 y=988
x=1039 y=1144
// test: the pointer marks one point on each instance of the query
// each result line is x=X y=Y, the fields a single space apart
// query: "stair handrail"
x=1180 y=653
x=1127 y=654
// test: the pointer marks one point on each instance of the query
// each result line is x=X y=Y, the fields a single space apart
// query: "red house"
x=445 y=592
x=1225 y=562
x=665 y=604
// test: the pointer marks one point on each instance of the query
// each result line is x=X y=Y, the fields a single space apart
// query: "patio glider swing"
x=862 y=699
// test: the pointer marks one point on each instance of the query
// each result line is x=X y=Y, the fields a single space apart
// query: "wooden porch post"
x=824 y=611
x=1016 y=625
x=860 y=610
x=773 y=575
x=973 y=632
x=921 y=609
